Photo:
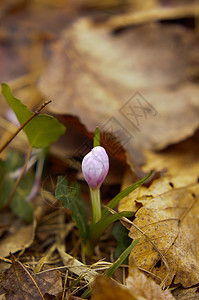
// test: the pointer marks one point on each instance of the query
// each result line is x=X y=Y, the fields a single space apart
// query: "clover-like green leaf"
x=42 y=130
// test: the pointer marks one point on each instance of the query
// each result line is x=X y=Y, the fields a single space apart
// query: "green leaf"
x=121 y=259
x=70 y=198
x=120 y=233
x=114 y=202
x=42 y=130
x=98 y=228
x=96 y=141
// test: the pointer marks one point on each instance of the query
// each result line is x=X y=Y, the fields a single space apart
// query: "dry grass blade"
x=76 y=267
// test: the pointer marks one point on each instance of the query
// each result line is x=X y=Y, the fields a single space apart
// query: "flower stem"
x=95 y=205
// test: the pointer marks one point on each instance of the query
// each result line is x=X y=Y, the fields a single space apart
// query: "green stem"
x=95 y=205
x=88 y=248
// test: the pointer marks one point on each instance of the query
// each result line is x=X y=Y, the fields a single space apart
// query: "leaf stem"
x=38 y=174
x=95 y=205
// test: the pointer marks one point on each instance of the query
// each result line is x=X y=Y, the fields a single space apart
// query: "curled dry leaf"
x=139 y=287
x=168 y=214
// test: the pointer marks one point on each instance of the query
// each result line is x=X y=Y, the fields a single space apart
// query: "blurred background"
x=130 y=67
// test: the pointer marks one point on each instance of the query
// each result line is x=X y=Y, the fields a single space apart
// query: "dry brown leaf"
x=20 y=283
x=179 y=165
x=21 y=238
x=171 y=221
x=140 y=285
x=169 y=216
x=106 y=289
x=90 y=68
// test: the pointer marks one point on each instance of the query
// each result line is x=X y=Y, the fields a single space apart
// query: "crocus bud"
x=95 y=166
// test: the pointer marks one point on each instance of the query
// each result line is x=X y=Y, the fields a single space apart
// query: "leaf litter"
x=177 y=183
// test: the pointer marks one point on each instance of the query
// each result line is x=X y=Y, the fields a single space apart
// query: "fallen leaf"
x=167 y=213
x=179 y=165
x=106 y=289
x=128 y=72
x=20 y=283
x=140 y=285
x=21 y=238
x=49 y=282
x=171 y=222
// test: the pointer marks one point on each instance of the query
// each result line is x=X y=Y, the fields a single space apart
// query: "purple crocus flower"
x=95 y=166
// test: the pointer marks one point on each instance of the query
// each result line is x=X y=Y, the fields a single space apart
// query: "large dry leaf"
x=169 y=216
x=135 y=85
x=178 y=166
x=171 y=221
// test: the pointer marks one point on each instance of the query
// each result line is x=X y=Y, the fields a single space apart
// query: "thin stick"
x=19 y=178
x=24 y=124
x=154 y=14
